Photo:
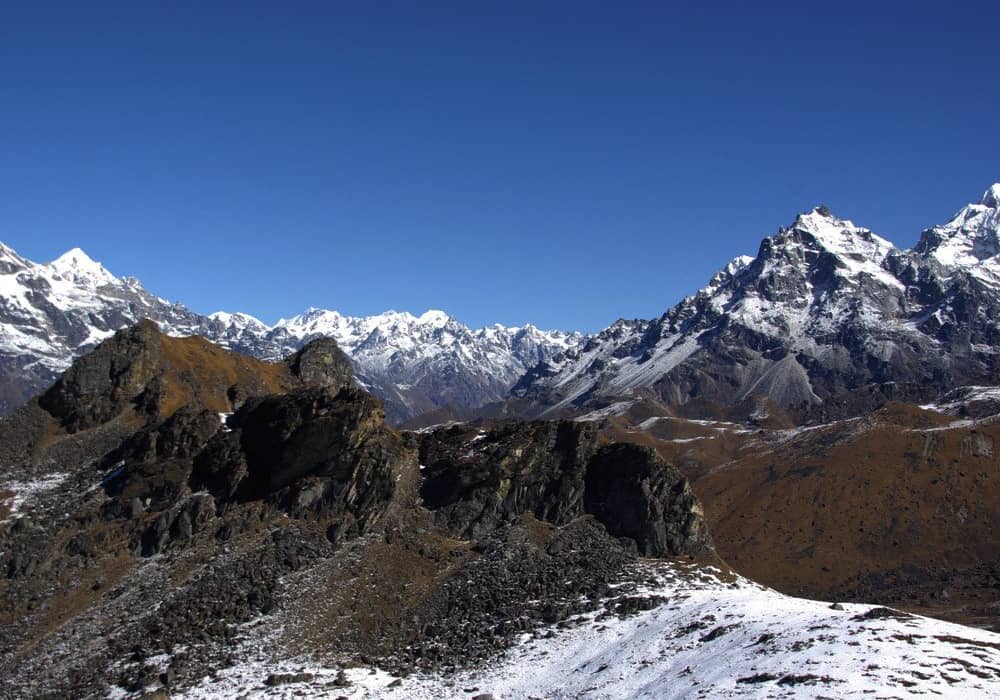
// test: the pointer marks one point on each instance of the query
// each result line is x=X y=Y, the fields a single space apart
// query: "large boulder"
x=321 y=362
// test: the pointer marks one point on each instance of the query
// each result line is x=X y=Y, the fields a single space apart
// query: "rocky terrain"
x=165 y=496
x=896 y=507
x=51 y=313
x=696 y=633
x=823 y=312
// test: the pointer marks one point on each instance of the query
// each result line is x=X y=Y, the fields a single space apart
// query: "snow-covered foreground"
x=705 y=637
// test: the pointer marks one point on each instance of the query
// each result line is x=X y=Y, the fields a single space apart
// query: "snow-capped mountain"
x=970 y=241
x=51 y=313
x=414 y=363
x=824 y=308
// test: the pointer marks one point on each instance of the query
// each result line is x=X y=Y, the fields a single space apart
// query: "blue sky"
x=563 y=163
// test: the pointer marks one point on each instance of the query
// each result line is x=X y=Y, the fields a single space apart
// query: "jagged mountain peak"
x=77 y=266
x=826 y=307
x=970 y=241
x=991 y=197
x=840 y=236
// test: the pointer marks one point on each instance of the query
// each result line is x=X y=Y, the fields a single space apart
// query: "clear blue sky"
x=563 y=163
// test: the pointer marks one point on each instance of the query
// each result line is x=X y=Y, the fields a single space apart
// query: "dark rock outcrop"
x=99 y=386
x=321 y=362
x=476 y=482
x=636 y=496
x=314 y=452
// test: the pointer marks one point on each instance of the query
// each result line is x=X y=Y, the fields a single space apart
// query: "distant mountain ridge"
x=824 y=308
x=413 y=363
x=53 y=312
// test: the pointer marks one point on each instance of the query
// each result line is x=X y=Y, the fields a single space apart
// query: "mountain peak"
x=77 y=266
x=991 y=197
x=819 y=217
x=433 y=317
x=842 y=237
x=238 y=320
x=971 y=240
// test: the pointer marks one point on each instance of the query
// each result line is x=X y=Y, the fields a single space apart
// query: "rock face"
x=322 y=363
x=313 y=452
x=825 y=308
x=477 y=481
x=636 y=496
x=101 y=385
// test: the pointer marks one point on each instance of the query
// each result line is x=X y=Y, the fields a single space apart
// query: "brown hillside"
x=899 y=507
x=198 y=372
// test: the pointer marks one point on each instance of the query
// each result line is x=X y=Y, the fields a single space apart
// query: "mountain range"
x=179 y=518
x=51 y=313
x=825 y=311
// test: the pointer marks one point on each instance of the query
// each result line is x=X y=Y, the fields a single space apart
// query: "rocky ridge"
x=155 y=514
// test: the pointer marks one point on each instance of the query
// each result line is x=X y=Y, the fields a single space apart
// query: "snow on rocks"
x=970 y=240
x=707 y=634
x=16 y=495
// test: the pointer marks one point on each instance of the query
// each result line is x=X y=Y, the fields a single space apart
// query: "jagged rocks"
x=313 y=452
x=178 y=525
x=477 y=481
x=100 y=385
x=322 y=363
x=309 y=454
x=637 y=496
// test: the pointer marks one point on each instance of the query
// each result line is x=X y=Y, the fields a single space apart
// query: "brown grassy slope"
x=899 y=507
x=198 y=372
